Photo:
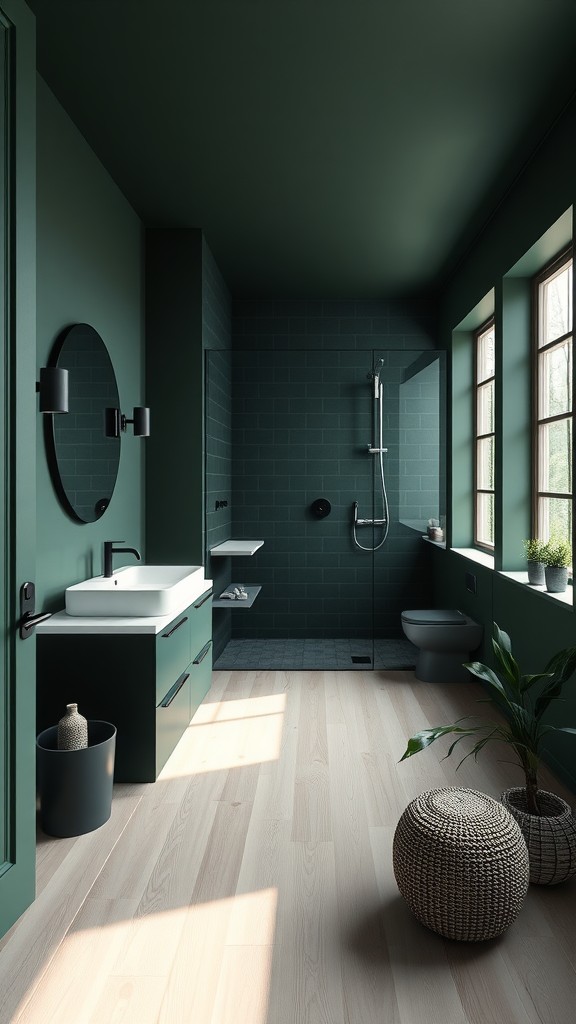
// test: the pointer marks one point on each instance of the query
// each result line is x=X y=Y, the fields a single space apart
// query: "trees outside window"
x=552 y=461
x=484 y=431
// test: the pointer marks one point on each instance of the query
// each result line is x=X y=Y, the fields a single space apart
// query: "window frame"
x=551 y=269
x=480 y=331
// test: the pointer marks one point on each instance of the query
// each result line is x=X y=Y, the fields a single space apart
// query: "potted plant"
x=545 y=820
x=557 y=558
x=534 y=562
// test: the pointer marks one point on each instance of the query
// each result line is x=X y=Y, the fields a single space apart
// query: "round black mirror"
x=83 y=461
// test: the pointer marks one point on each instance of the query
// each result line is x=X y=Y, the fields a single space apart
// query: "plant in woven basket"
x=545 y=820
x=511 y=692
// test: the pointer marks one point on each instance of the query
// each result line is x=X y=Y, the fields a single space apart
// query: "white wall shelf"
x=236 y=547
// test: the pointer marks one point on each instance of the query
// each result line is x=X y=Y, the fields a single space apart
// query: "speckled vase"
x=556 y=579
x=72 y=730
x=536 y=576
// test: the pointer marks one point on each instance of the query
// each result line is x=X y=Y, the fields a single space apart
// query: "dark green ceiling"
x=327 y=147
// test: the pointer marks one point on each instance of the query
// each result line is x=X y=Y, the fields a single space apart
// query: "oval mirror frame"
x=83 y=462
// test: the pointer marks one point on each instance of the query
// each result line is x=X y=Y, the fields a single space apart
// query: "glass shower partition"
x=285 y=428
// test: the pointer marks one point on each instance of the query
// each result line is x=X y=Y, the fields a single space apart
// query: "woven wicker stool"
x=461 y=863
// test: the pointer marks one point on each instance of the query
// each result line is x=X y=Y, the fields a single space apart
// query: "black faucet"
x=110 y=550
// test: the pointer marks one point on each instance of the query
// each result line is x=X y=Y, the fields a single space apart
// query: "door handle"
x=28 y=617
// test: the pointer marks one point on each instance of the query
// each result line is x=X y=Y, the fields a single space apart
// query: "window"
x=484 y=436
x=553 y=401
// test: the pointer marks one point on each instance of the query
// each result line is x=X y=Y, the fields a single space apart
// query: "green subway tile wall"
x=216 y=342
x=219 y=481
x=300 y=427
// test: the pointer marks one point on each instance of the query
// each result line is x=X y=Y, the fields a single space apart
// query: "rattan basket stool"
x=461 y=863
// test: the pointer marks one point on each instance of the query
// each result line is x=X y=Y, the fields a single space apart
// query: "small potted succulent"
x=546 y=821
x=534 y=563
x=557 y=558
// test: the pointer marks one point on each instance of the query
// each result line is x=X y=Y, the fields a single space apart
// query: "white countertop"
x=61 y=622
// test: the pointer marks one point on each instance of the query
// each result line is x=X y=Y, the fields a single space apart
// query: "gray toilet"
x=444 y=638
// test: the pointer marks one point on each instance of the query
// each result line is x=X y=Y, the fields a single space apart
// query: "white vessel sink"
x=135 y=590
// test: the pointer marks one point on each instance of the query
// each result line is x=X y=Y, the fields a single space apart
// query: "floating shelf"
x=237 y=547
x=252 y=592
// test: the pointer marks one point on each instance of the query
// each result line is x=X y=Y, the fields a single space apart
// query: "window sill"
x=567 y=597
x=434 y=543
x=483 y=558
x=475 y=555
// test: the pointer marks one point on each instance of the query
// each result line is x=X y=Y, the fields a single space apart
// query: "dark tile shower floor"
x=330 y=655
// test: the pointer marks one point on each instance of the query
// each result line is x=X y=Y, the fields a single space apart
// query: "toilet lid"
x=435 y=616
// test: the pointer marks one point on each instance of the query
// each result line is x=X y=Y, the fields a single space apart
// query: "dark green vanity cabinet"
x=148 y=684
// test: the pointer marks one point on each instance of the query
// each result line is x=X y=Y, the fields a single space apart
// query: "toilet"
x=444 y=638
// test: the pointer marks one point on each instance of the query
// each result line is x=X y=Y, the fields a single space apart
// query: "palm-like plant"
x=510 y=692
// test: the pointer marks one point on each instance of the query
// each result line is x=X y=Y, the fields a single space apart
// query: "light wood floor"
x=253 y=883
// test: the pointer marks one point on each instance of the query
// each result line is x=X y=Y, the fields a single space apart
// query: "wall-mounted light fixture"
x=53 y=389
x=115 y=421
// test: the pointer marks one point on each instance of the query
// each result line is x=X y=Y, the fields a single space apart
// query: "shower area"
x=334 y=459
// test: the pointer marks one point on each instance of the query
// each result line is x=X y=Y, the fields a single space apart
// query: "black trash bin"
x=75 y=786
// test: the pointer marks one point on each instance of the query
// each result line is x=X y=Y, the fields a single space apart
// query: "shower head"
x=375 y=372
x=375 y=375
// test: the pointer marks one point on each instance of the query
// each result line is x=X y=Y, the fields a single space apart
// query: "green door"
x=17 y=455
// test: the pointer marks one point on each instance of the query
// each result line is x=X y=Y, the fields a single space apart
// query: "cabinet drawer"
x=200 y=677
x=173 y=653
x=172 y=717
x=200 y=622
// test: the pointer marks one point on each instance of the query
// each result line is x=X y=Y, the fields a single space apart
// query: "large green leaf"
x=507 y=665
x=528 y=681
x=560 y=668
x=485 y=673
x=423 y=739
x=557 y=728
x=563 y=664
x=502 y=638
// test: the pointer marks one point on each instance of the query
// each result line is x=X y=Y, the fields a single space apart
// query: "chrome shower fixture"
x=375 y=449
x=375 y=376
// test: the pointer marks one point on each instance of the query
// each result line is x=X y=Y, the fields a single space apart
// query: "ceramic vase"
x=72 y=730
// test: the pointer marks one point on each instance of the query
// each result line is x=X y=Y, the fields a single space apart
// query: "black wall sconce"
x=53 y=389
x=115 y=421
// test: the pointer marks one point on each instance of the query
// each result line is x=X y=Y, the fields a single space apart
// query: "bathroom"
x=104 y=284
x=175 y=336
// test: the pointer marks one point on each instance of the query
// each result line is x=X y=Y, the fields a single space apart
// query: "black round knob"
x=321 y=508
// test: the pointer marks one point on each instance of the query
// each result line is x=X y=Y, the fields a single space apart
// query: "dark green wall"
x=187 y=312
x=529 y=226
x=89 y=269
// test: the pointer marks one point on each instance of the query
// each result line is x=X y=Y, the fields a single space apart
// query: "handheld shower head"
x=375 y=375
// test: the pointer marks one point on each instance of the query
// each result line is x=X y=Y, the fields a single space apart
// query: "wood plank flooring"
x=253 y=883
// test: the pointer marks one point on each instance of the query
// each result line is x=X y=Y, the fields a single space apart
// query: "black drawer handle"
x=204 y=599
x=174 y=691
x=200 y=657
x=177 y=626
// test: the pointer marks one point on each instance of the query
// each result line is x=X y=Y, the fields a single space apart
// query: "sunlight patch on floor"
x=229 y=734
x=246 y=707
x=207 y=962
